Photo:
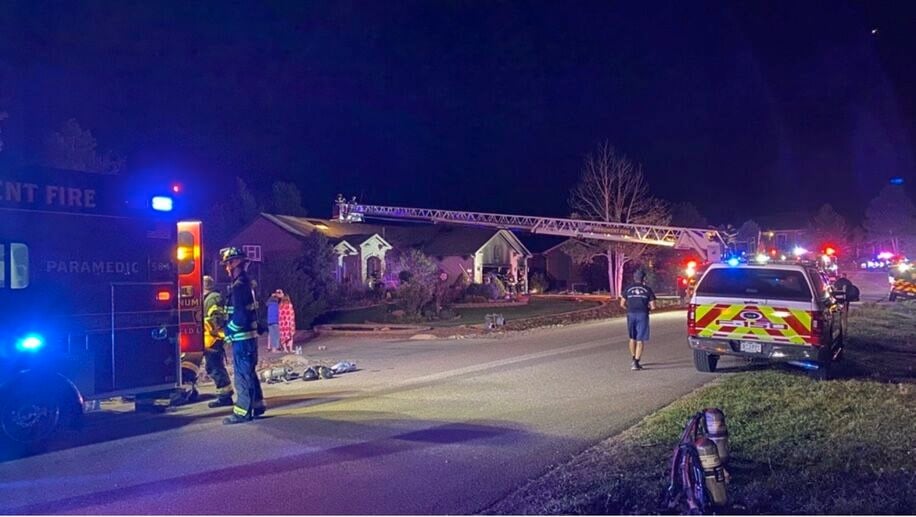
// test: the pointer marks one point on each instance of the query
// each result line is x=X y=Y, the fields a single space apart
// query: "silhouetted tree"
x=891 y=218
x=286 y=199
x=74 y=148
x=613 y=189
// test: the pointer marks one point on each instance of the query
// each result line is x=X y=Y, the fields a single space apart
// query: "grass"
x=798 y=446
x=468 y=316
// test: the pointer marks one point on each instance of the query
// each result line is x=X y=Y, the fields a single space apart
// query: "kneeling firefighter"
x=242 y=332
x=215 y=344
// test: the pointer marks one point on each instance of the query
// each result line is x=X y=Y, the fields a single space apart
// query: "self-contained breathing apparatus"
x=698 y=477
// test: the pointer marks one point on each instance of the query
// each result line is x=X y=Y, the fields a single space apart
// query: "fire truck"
x=99 y=296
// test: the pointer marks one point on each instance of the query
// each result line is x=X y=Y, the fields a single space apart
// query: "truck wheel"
x=823 y=372
x=704 y=361
x=30 y=418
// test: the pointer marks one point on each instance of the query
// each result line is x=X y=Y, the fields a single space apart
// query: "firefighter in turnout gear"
x=215 y=344
x=242 y=331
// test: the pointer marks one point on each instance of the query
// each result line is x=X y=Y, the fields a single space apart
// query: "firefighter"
x=215 y=345
x=242 y=332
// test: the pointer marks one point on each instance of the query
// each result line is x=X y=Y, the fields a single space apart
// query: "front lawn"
x=467 y=316
x=798 y=446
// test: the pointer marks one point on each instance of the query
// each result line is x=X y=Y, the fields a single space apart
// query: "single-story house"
x=363 y=249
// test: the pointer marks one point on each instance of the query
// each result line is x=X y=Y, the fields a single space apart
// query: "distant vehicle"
x=902 y=277
x=777 y=312
x=89 y=291
x=883 y=261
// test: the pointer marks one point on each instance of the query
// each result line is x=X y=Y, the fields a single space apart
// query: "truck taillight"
x=692 y=319
x=817 y=327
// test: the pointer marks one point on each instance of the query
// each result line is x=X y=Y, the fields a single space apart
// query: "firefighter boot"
x=220 y=402
x=236 y=419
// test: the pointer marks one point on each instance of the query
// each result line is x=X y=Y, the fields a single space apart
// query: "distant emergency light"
x=733 y=262
x=799 y=251
x=162 y=204
x=830 y=251
x=884 y=255
x=897 y=181
x=30 y=343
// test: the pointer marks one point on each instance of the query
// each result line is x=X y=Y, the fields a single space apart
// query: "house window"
x=782 y=241
x=19 y=266
x=373 y=267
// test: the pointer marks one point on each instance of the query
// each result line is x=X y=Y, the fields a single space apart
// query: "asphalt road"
x=424 y=427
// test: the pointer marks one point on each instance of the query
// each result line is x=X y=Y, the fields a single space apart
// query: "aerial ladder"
x=709 y=244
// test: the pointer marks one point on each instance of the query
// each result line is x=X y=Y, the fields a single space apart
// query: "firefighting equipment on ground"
x=281 y=374
x=697 y=477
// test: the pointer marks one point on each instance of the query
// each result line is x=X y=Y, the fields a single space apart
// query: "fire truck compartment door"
x=145 y=335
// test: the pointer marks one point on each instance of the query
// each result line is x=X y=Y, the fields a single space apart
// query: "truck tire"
x=31 y=417
x=823 y=372
x=704 y=361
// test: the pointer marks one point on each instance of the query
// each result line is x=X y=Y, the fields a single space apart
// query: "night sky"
x=741 y=108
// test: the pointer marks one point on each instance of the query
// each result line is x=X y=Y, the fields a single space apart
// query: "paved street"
x=424 y=427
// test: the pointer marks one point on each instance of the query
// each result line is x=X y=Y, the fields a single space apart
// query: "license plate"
x=750 y=347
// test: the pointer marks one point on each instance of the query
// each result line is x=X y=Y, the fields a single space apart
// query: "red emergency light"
x=163 y=296
x=829 y=250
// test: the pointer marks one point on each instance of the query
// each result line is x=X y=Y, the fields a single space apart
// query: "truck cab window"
x=18 y=266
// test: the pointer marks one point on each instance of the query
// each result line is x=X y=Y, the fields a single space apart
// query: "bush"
x=306 y=276
x=498 y=288
x=475 y=299
x=538 y=283
x=419 y=281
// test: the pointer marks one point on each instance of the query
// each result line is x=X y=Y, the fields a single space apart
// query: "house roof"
x=433 y=239
x=303 y=226
x=540 y=243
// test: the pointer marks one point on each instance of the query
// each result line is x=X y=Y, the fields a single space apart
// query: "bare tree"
x=614 y=189
x=74 y=148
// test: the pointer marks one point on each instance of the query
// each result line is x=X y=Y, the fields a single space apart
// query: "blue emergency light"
x=162 y=203
x=733 y=261
x=30 y=343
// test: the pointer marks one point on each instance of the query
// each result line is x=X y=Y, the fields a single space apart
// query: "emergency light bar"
x=162 y=203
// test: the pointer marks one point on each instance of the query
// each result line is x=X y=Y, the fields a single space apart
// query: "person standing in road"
x=287 y=322
x=273 y=321
x=242 y=332
x=215 y=345
x=638 y=300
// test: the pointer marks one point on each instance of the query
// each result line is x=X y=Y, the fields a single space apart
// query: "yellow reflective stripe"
x=702 y=311
x=239 y=411
x=803 y=317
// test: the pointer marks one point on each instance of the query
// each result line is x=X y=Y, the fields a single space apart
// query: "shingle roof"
x=433 y=239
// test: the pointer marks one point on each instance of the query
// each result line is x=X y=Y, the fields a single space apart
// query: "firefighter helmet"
x=231 y=253
x=209 y=283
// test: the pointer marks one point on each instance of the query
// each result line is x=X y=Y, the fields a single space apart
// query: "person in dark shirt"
x=638 y=300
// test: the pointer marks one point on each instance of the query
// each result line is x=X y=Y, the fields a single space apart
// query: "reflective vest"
x=214 y=319
x=242 y=310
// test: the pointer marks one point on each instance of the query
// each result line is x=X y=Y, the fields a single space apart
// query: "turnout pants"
x=249 y=397
x=215 y=357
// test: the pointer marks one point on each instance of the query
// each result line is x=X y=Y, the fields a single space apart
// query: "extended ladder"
x=706 y=242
